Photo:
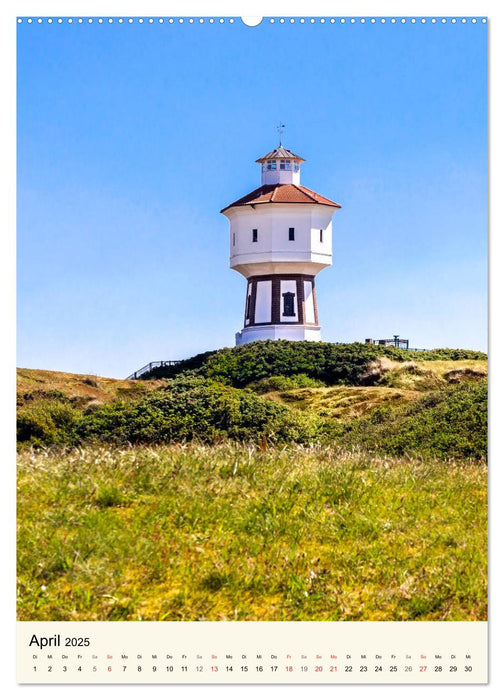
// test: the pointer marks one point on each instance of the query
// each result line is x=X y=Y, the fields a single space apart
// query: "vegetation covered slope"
x=379 y=403
x=80 y=389
x=356 y=491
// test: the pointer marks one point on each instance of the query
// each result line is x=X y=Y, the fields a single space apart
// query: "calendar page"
x=252 y=349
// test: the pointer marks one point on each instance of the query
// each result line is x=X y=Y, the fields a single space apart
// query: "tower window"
x=285 y=165
x=291 y=234
x=288 y=304
x=272 y=165
x=234 y=238
x=321 y=235
x=254 y=235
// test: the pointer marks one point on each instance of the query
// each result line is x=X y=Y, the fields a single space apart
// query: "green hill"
x=273 y=393
x=331 y=363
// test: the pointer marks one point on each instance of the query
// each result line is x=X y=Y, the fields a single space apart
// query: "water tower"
x=280 y=239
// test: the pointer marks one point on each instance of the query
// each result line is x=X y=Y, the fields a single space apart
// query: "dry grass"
x=81 y=388
x=423 y=376
x=342 y=402
x=441 y=367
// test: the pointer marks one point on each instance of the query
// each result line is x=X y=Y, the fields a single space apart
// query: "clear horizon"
x=132 y=138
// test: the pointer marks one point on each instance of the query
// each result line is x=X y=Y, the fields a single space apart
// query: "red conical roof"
x=282 y=194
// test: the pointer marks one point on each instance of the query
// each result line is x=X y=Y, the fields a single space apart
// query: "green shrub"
x=197 y=408
x=47 y=422
x=448 y=423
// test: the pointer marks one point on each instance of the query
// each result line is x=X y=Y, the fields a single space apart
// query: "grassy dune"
x=81 y=389
x=394 y=384
x=189 y=532
x=397 y=385
x=342 y=402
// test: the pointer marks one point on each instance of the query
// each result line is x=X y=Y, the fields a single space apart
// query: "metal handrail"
x=152 y=365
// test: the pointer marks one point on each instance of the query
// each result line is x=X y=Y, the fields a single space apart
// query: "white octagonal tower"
x=280 y=238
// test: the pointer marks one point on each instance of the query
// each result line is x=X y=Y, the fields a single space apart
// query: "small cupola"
x=280 y=167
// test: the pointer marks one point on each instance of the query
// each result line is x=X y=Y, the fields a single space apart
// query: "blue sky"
x=131 y=138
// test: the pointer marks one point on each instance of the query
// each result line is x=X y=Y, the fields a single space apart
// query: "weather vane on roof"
x=280 y=129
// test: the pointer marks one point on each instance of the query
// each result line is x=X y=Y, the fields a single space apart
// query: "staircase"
x=147 y=369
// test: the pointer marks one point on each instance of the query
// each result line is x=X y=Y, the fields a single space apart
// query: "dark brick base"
x=276 y=301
